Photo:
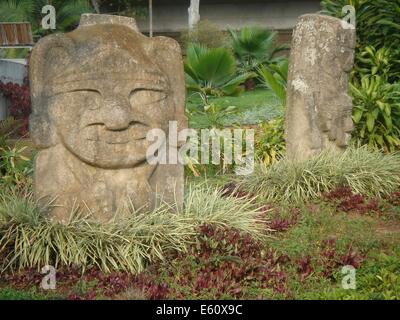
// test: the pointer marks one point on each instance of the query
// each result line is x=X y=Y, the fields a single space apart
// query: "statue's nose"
x=116 y=114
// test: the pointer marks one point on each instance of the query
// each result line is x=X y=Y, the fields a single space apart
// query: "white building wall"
x=10 y=71
x=273 y=14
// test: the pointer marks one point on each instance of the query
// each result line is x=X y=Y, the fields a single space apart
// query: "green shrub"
x=254 y=46
x=274 y=77
x=29 y=239
x=376 y=112
x=377 y=21
x=383 y=62
x=212 y=72
x=225 y=161
x=377 y=68
x=252 y=107
x=207 y=34
x=209 y=114
x=365 y=171
x=15 y=166
x=67 y=13
x=270 y=141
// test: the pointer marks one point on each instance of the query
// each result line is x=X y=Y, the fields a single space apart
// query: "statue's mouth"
x=100 y=133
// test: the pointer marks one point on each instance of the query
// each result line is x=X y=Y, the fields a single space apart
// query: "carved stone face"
x=96 y=93
x=343 y=101
x=335 y=111
x=348 y=58
x=339 y=124
x=345 y=123
x=105 y=93
x=104 y=122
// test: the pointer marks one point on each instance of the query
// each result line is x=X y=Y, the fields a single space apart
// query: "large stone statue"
x=96 y=93
x=319 y=108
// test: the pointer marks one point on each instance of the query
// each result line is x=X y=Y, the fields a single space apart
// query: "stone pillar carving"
x=319 y=108
x=96 y=93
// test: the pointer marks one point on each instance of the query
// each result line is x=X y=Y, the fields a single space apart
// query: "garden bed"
x=235 y=246
x=301 y=259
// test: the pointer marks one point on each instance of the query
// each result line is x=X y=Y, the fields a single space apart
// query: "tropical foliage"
x=254 y=46
x=384 y=62
x=274 y=77
x=209 y=114
x=377 y=70
x=377 y=21
x=212 y=71
x=15 y=165
x=377 y=112
x=214 y=114
x=67 y=13
x=270 y=141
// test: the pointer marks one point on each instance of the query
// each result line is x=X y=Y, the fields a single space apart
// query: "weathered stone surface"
x=96 y=92
x=318 y=111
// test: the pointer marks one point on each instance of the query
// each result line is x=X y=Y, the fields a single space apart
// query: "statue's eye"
x=146 y=96
x=91 y=99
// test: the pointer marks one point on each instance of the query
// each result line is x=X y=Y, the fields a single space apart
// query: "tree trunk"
x=95 y=6
x=194 y=13
x=151 y=18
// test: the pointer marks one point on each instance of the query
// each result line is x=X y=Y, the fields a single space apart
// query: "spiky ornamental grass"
x=29 y=239
x=365 y=171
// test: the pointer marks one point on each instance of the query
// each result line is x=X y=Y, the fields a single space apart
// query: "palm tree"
x=212 y=71
x=16 y=10
x=275 y=77
x=67 y=17
x=67 y=13
x=254 y=46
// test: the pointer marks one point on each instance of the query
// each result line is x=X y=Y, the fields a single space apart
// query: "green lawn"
x=30 y=294
x=253 y=107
